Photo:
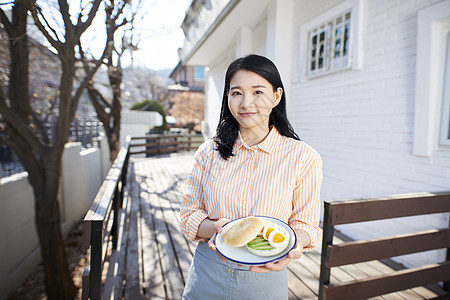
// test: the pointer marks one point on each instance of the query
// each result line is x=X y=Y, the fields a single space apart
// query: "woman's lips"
x=247 y=114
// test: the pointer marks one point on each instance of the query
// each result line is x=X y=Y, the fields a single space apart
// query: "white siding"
x=259 y=38
x=362 y=121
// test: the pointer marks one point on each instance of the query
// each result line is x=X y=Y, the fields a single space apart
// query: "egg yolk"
x=268 y=232
x=278 y=238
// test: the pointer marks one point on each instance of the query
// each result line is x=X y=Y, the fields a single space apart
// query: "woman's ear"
x=277 y=96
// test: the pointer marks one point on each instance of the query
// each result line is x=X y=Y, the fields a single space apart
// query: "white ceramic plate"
x=241 y=255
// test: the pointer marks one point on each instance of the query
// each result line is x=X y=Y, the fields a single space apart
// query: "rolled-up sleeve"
x=192 y=206
x=306 y=199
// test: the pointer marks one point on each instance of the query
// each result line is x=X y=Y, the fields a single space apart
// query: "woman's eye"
x=258 y=92
x=234 y=94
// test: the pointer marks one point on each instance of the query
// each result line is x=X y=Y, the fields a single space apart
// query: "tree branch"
x=120 y=11
x=64 y=10
x=17 y=124
x=55 y=42
x=81 y=27
x=5 y=21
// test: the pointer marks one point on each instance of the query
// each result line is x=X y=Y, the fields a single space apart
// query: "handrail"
x=354 y=211
x=157 y=144
x=101 y=221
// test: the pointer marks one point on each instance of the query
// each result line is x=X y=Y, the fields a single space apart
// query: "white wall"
x=362 y=121
x=215 y=82
x=138 y=123
x=83 y=173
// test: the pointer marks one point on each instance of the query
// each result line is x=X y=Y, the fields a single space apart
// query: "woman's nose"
x=246 y=101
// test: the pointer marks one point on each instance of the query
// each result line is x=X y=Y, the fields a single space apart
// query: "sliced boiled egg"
x=267 y=229
x=278 y=239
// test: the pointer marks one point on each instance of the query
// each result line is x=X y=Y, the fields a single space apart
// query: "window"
x=333 y=40
x=445 y=123
x=199 y=73
x=431 y=111
x=329 y=46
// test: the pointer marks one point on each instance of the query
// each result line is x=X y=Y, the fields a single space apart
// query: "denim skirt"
x=211 y=278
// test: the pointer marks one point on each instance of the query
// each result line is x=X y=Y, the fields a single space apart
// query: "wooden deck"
x=153 y=257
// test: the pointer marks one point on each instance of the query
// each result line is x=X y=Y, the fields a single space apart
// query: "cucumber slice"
x=263 y=243
x=256 y=240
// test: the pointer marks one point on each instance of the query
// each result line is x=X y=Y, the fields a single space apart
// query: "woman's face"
x=251 y=99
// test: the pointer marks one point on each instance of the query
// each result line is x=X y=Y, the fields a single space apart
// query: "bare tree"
x=25 y=131
x=108 y=111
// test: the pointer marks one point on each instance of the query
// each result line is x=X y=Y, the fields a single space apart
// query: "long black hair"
x=228 y=128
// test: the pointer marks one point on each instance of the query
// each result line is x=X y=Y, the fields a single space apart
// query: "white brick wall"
x=362 y=121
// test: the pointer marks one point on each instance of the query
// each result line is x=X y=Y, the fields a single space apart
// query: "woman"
x=255 y=165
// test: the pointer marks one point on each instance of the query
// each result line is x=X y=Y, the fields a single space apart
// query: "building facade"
x=367 y=85
x=186 y=98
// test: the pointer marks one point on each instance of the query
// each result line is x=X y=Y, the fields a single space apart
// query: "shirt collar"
x=267 y=145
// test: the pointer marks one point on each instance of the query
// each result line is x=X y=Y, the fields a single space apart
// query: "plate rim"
x=275 y=259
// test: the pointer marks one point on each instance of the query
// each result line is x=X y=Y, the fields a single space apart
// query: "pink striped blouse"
x=280 y=177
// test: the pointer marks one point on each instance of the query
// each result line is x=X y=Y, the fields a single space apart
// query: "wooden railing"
x=156 y=144
x=346 y=212
x=101 y=221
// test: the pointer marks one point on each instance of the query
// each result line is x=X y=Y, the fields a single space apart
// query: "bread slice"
x=243 y=231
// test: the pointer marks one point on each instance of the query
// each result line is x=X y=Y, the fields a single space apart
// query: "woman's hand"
x=217 y=228
x=296 y=253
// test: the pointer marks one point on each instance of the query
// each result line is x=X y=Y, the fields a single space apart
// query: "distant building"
x=186 y=100
x=367 y=84
x=190 y=77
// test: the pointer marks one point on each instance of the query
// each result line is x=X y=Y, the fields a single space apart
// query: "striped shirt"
x=279 y=177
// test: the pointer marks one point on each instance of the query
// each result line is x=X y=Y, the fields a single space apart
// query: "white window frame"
x=445 y=119
x=357 y=10
x=432 y=28
x=324 y=46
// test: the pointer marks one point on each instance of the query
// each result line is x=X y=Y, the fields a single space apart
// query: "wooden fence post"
x=327 y=239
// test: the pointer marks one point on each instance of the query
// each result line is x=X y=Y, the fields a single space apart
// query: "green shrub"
x=152 y=105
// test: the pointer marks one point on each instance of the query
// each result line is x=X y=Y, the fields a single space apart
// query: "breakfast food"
x=262 y=238
x=243 y=231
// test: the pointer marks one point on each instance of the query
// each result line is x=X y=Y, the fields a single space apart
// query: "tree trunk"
x=110 y=117
x=43 y=175
x=58 y=279
x=42 y=161
x=115 y=79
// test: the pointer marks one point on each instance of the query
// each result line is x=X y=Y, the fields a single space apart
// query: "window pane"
x=337 y=44
x=313 y=52
x=321 y=49
x=199 y=73
x=329 y=45
x=346 y=34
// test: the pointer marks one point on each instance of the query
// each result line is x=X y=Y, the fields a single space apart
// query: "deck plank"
x=133 y=276
x=163 y=229
x=171 y=207
x=153 y=256
x=154 y=284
